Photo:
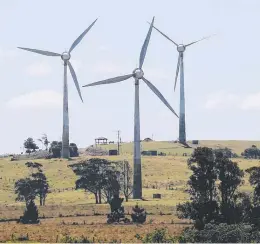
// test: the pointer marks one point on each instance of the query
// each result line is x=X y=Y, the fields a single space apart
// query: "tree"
x=41 y=186
x=30 y=145
x=30 y=215
x=252 y=152
x=230 y=177
x=24 y=190
x=254 y=180
x=44 y=140
x=73 y=150
x=97 y=176
x=202 y=188
x=35 y=185
x=55 y=149
x=126 y=176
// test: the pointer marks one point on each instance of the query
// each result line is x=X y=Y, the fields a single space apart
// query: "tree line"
x=216 y=202
x=54 y=147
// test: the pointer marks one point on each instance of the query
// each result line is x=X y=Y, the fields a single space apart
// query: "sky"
x=222 y=88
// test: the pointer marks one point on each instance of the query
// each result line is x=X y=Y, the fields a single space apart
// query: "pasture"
x=74 y=212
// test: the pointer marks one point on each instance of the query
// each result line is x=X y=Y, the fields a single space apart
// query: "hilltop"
x=172 y=148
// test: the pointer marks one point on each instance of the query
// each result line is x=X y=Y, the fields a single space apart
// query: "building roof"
x=101 y=138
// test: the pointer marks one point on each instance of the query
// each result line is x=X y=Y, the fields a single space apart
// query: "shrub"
x=138 y=215
x=222 y=233
x=30 y=215
x=157 y=236
x=70 y=239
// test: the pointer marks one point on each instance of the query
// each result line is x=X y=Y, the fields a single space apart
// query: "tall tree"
x=230 y=177
x=44 y=140
x=125 y=178
x=202 y=188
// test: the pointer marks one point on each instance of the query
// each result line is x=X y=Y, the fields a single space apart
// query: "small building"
x=147 y=139
x=112 y=152
x=149 y=153
x=101 y=141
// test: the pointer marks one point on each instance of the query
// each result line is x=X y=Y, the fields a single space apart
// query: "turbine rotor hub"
x=138 y=73
x=65 y=56
x=181 y=48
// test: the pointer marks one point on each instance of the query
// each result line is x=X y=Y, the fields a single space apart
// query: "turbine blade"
x=110 y=81
x=207 y=37
x=73 y=74
x=145 y=45
x=158 y=93
x=46 y=53
x=177 y=71
x=77 y=41
x=165 y=36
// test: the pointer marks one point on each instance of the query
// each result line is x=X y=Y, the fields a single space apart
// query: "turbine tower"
x=181 y=49
x=137 y=74
x=65 y=56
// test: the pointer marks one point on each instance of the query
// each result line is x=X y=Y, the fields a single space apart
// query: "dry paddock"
x=92 y=227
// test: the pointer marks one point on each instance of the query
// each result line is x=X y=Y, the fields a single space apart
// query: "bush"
x=157 y=236
x=222 y=233
x=30 y=215
x=70 y=239
x=138 y=215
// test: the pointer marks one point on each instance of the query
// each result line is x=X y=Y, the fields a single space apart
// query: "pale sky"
x=222 y=74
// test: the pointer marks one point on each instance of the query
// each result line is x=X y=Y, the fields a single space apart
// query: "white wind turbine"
x=181 y=48
x=138 y=75
x=65 y=56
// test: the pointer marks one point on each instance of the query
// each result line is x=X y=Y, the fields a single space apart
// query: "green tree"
x=97 y=176
x=25 y=190
x=30 y=145
x=230 y=177
x=202 y=188
x=55 y=149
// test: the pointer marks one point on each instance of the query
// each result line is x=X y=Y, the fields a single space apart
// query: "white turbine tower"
x=181 y=48
x=65 y=56
x=137 y=74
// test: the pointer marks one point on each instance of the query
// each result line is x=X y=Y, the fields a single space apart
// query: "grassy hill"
x=159 y=172
x=171 y=148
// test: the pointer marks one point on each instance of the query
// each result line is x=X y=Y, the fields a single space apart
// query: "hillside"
x=166 y=175
x=171 y=148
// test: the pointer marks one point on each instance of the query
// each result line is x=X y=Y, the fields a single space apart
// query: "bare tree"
x=125 y=178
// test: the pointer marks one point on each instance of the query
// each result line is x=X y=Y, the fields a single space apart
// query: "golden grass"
x=53 y=230
x=158 y=174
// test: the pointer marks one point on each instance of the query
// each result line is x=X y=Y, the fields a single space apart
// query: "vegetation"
x=55 y=149
x=30 y=145
x=229 y=191
x=44 y=140
x=138 y=215
x=98 y=176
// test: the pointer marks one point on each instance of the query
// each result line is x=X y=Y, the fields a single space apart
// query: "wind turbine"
x=181 y=49
x=65 y=56
x=137 y=74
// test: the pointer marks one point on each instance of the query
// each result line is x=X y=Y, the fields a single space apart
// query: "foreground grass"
x=93 y=228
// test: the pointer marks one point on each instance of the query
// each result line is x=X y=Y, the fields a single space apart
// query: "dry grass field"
x=158 y=174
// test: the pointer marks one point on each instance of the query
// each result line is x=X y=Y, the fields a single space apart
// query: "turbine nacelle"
x=65 y=56
x=181 y=48
x=138 y=73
